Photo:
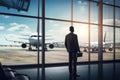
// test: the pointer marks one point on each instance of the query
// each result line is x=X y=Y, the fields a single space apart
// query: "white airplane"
x=94 y=45
x=33 y=41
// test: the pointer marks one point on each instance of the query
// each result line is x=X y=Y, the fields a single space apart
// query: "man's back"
x=71 y=42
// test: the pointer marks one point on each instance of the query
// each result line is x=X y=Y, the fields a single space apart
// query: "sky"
x=16 y=28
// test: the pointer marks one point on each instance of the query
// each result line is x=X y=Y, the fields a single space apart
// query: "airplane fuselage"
x=33 y=41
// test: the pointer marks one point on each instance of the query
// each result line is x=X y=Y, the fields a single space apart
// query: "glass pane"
x=59 y=9
x=108 y=1
x=32 y=7
x=56 y=32
x=81 y=10
x=15 y=35
x=108 y=43
x=117 y=2
x=95 y=0
x=107 y=15
x=55 y=35
x=117 y=17
x=94 y=42
x=117 y=45
x=82 y=31
x=93 y=12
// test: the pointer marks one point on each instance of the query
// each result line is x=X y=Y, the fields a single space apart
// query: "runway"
x=17 y=56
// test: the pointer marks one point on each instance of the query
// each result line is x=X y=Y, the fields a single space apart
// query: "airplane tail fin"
x=104 y=37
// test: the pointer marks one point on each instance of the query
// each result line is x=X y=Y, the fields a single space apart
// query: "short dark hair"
x=71 y=28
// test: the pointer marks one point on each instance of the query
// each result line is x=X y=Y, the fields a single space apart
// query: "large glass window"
x=108 y=43
x=108 y=1
x=117 y=2
x=60 y=9
x=93 y=12
x=117 y=17
x=117 y=43
x=19 y=27
x=82 y=31
x=80 y=10
x=93 y=42
x=55 y=35
x=15 y=34
x=107 y=15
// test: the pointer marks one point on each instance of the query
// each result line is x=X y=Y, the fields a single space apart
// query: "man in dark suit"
x=72 y=46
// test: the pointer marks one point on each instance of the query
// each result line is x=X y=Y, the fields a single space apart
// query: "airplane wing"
x=1 y=45
x=16 y=41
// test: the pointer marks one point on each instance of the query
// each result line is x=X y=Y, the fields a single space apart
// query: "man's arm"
x=66 y=42
x=77 y=44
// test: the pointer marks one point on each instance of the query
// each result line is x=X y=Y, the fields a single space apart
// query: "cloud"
x=117 y=22
x=108 y=21
x=6 y=16
x=82 y=2
x=19 y=28
x=1 y=27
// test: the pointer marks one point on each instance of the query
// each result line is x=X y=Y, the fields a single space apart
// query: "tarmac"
x=18 y=55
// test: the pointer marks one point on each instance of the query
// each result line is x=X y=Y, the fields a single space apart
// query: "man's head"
x=71 y=29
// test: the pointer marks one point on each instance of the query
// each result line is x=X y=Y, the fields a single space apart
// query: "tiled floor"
x=86 y=72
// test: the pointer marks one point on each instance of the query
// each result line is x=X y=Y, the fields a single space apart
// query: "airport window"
x=14 y=32
x=15 y=25
x=117 y=17
x=107 y=15
x=55 y=35
x=108 y=39
x=82 y=31
x=93 y=42
x=58 y=9
x=117 y=43
x=108 y=1
x=117 y=2
x=80 y=9
x=93 y=12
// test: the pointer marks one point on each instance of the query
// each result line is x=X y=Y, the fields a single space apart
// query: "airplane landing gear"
x=85 y=50
x=30 y=49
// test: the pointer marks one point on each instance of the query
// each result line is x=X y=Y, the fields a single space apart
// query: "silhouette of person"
x=72 y=46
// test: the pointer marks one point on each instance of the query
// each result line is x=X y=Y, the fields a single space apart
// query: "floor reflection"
x=108 y=71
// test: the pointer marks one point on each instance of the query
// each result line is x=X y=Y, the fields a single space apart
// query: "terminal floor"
x=110 y=71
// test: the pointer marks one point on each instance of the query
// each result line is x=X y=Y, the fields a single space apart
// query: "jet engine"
x=110 y=49
x=23 y=45
x=51 y=46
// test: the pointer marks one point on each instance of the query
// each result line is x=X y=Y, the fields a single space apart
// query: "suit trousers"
x=72 y=63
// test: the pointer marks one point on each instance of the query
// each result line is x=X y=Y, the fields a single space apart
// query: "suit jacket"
x=71 y=42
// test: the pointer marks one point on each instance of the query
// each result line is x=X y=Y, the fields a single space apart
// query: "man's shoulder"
x=68 y=34
x=71 y=34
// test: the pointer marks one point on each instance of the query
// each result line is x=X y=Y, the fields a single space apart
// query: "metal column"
x=100 y=40
x=43 y=39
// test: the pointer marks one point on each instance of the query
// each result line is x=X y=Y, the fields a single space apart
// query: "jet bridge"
x=20 y=5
